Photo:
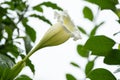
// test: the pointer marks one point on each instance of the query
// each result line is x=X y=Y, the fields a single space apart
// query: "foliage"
x=99 y=45
x=12 y=15
x=23 y=77
x=70 y=77
x=101 y=74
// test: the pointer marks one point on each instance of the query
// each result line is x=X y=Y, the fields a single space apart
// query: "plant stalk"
x=31 y=52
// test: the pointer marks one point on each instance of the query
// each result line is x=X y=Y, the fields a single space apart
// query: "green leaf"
x=70 y=77
x=4 y=73
x=116 y=33
x=29 y=64
x=119 y=46
x=9 y=32
x=74 y=64
x=101 y=74
x=5 y=64
x=89 y=67
x=88 y=13
x=9 y=22
x=105 y=4
x=99 y=45
x=27 y=44
x=41 y=18
x=82 y=51
x=113 y=58
x=82 y=30
x=13 y=49
x=118 y=14
x=29 y=30
x=21 y=6
x=94 y=30
x=16 y=5
x=38 y=8
x=4 y=49
x=23 y=77
x=51 y=5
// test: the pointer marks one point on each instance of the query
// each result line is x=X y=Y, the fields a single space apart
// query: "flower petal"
x=65 y=19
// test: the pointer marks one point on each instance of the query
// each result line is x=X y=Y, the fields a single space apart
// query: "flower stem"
x=31 y=52
x=16 y=69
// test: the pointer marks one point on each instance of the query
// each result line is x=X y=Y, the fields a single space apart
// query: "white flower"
x=66 y=21
x=59 y=32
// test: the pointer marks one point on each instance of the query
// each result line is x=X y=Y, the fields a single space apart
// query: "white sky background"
x=52 y=63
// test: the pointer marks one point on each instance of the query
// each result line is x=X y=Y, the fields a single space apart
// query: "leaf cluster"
x=98 y=45
x=12 y=15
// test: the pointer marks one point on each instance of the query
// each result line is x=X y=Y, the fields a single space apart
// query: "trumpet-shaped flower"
x=59 y=32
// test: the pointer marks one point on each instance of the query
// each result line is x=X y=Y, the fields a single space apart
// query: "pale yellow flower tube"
x=58 y=33
x=54 y=36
